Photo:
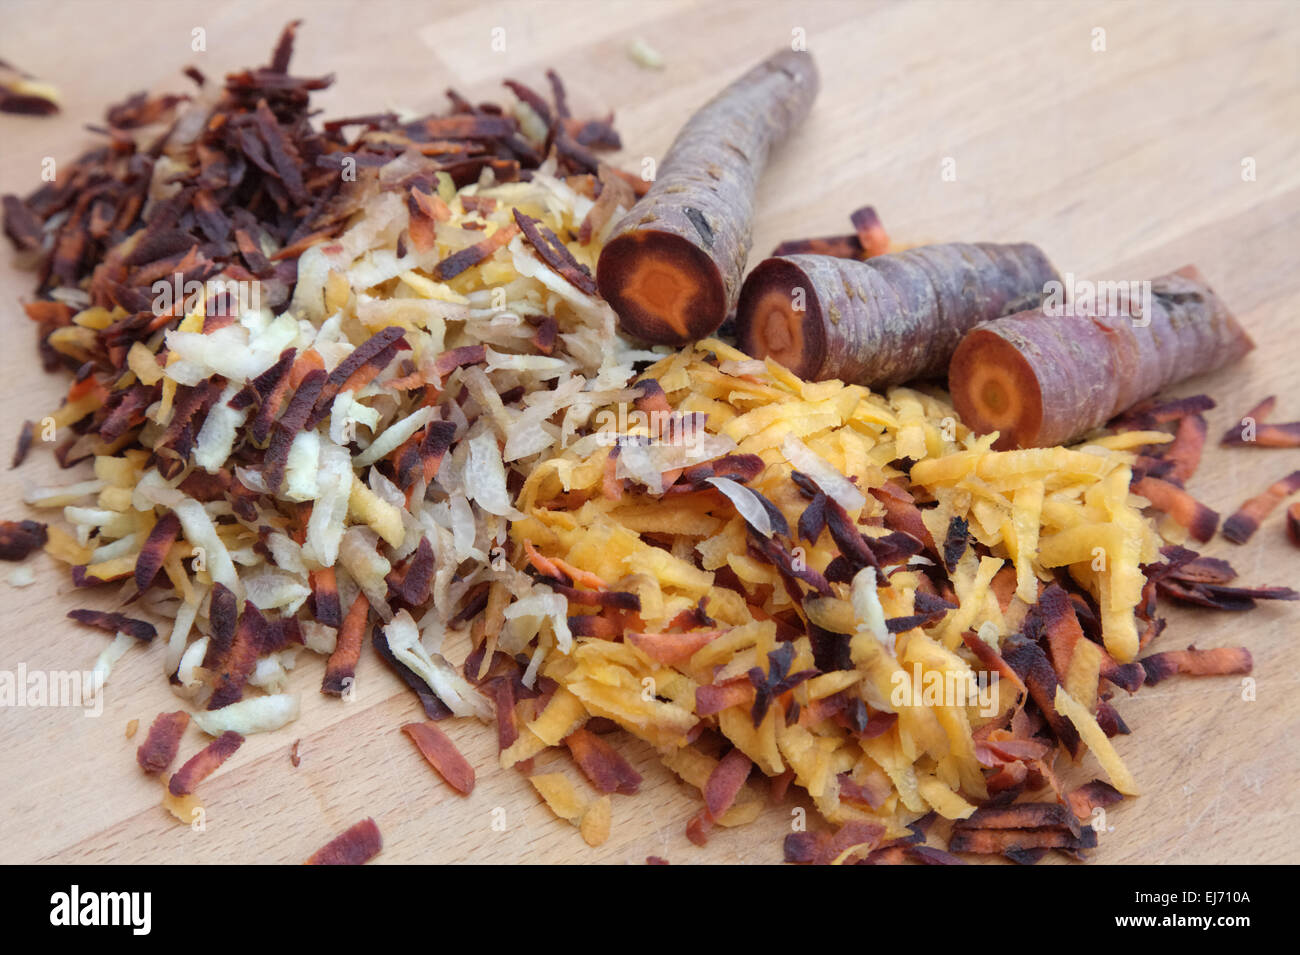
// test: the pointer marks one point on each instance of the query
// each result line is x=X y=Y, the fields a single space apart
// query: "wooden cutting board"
x=1125 y=161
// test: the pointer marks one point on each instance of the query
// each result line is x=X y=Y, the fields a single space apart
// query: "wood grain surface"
x=1123 y=162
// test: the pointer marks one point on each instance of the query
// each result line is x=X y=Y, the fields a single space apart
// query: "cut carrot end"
x=994 y=389
x=664 y=289
x=771 y=324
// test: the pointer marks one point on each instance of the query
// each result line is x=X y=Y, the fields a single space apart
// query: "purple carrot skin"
x=870 y=231
x=1042 y=380
x=888 y=319
x=673 y=265
x=839 y=246
x=867 y=241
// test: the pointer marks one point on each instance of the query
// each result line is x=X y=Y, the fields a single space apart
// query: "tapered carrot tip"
x=664 y=289
x=994 y=389
x=779 y=317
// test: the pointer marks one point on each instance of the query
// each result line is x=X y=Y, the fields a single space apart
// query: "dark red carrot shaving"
x=714 y=698
x=800 y=848
x=1252 y=430
x=671 y=649
x=1029 y=662
x=954 y=542
x=1053 y=620
x=1108 y=718
x=380 y=346
x=341 y=668
x=1224 y=598
x=1246 y=520
x=223 y=614
x=992 y=660
x=237 y=664
x=813 y=519
x=417 y=576
x=20 y=538
x=442 y=755
x=839 y=246
x=448 y=361
x=1221 y=661
x=466 y=258
x=191 y=403
x=115 y=623
x=1126 y=676
x=269 y=390
x=607 y=771
x=699 y=827
x=852 y=544
x=1146 y=415
x=1184 y=452
x=160 y=746
x=1200 y=521
x=554 y=253
x=615 y=193
x=929 y=855
x=502 y=691
x=325 y=597
x=725 y=782
x=613 y=599
x=291 y=423
x=741 y=468
x=204 y=763
x=595 y=625
x=1203 y=570
x=791 y=569
x=545 y=337
x=1000 y=752
x=24 y=442
x=651 y=397
x=1089 y=796
x=929 y=609
x=154 y=550
x=1274 y=435
x=870 y=231
x=1023 y=815
x=902 y=514
x=776 y=681
x=861 y=837
x=356 y=846
x=1007 y=841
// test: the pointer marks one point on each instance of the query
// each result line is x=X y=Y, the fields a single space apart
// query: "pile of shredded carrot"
x=432 y=436
x=787 y=598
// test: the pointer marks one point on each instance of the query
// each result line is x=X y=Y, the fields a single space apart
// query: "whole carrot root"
x=672 y=266
x=1043 y=379
x=888 y=319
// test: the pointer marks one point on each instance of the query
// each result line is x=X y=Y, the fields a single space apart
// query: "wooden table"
x=1124 y=161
